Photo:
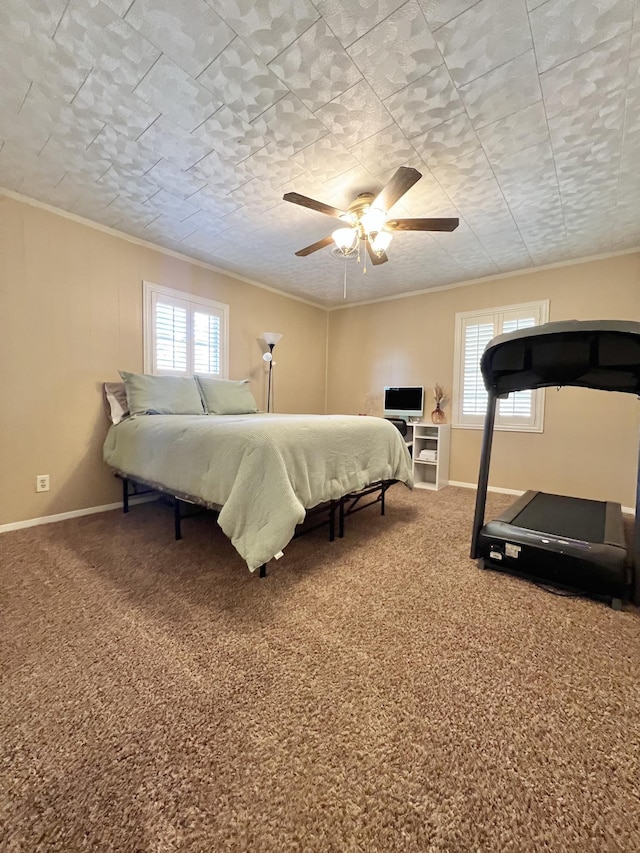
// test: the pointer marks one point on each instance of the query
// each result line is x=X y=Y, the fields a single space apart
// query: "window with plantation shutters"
x=184 y=334
x=521 y=410
x=206 y=343
x=170 y=337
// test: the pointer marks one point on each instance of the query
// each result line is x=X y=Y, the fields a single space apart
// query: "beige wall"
x=589 y=447
x=71 y=316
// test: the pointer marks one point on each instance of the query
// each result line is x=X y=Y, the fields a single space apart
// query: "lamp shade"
x=345 y=238
x=373 y=219
x=271 y=338
x=381 y=241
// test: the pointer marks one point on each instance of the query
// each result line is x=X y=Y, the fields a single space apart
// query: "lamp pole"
x=271 y=346
x=270 y=339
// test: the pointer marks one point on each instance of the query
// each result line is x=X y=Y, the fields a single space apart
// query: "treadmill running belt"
x=558 y=515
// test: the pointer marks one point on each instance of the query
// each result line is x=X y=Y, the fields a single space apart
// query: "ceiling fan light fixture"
x=381 y=241
x=342 y=256
x=345 y=239
x=365 y=225
x=373 y=219
x=350 y=219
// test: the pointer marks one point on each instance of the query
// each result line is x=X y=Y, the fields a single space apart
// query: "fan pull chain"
x=344 y=295
x=364 y=266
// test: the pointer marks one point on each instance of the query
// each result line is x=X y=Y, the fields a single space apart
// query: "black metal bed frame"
x=346 y=505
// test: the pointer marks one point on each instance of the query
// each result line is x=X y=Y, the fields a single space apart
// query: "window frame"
x=535 y=423
x=191 y=302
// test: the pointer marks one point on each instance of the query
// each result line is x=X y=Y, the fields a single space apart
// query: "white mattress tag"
x=278 y=555
x=512 y=550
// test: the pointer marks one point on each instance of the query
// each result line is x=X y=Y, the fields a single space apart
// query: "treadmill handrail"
x=603 y=355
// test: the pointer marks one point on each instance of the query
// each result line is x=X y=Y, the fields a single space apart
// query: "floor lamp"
x=271 y=339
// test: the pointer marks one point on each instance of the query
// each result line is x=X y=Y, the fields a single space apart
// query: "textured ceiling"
x=183 y=122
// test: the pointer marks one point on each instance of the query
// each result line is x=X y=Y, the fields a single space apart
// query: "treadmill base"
x=594 y=568
x=616 y=602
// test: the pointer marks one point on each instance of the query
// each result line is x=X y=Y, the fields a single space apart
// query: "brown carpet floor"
x=376 y=694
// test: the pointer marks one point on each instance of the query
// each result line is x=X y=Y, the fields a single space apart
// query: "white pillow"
x=116 y=399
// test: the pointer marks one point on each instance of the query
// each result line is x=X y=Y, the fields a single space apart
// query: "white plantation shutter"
x=184 y=334
x=170 y=338
x=519 y=404
x=521 y=410
x=474 y=395
x=206 y=342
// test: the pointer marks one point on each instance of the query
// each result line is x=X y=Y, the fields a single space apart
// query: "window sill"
x=501 y=428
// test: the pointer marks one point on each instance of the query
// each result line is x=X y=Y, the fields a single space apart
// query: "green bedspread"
x=263 y=470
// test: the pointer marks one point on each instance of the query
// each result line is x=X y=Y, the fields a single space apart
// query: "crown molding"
x=106 y=229
x=138 y=241
x=574 y=262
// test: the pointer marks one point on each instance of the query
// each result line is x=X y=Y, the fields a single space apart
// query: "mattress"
x=263 y=470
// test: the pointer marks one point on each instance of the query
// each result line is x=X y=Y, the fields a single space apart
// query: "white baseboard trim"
x=627 y=510
x=75 y=513
x=490 y=489
x=92 y=510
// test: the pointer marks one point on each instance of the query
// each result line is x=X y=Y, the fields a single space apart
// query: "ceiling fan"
x=367 y=220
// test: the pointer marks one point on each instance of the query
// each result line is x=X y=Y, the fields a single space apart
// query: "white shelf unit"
x=436 y=437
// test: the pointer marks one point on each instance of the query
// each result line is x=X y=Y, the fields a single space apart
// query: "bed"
x=263 y=472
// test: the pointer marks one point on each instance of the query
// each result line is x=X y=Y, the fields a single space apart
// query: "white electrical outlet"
x=42 y=482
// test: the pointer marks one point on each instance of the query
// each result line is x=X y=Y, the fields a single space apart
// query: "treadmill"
x=568 y=542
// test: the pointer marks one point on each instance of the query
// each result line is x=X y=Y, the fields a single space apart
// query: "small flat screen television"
x=405 y=401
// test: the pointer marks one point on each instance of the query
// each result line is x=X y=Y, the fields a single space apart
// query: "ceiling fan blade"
x=404 y=178
x=376 y=259
x=422 y=224
x=314 y=247
x=312 y=204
